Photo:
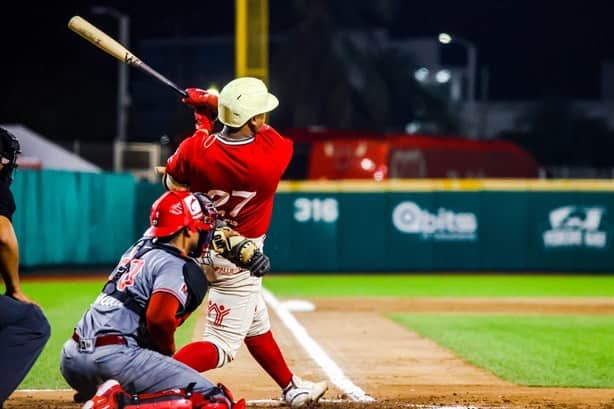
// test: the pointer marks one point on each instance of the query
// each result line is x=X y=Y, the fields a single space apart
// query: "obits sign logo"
x=444 y=225
x=575 y=226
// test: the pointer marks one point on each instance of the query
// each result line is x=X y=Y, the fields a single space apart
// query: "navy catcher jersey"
x=156 y=271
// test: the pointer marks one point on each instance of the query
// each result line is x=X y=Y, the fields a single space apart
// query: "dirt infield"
x=398 y=368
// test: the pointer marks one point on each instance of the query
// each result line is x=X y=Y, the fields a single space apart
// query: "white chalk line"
x=277 y=402
x=332 y=370
x=43 y=390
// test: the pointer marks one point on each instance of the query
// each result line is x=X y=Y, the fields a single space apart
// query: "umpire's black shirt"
x=7 y=202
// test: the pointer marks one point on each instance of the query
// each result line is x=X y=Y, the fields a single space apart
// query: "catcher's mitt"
x=240 y=250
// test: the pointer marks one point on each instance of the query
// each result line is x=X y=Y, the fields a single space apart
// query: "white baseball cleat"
x=300 y=393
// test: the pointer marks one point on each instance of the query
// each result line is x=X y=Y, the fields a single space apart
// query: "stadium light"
x=443 y=76
x=444 y=38
x=123 y=98
x=213 y=90
x=472 y=55
x=421 y=74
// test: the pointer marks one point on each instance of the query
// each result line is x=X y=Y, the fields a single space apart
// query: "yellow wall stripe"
x=463 y=185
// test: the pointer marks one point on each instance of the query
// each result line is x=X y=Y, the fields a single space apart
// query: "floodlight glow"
x=412 y=127
x=367 y=164
x=442 y=76
x=421 y=74
x=445 y=38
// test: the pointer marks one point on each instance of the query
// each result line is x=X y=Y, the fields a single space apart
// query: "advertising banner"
x=501 y=228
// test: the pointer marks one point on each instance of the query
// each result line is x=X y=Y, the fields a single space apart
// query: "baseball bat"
x=107 y=44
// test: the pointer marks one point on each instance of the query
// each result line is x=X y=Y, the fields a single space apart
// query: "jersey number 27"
x=220 y=198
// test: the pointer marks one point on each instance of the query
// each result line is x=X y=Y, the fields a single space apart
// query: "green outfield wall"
x=66 y=218
x=443 y=225
x=69 y=218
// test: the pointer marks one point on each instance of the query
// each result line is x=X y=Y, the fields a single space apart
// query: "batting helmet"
x=9 y=150
x=175 y=210
x=242 y=99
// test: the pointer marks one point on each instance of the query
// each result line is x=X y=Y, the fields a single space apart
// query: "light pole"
x=123 y=98
x=472 y=56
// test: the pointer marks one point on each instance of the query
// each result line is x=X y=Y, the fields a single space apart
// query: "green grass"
x=527 y=350
x=441 y=285
x=63 y=304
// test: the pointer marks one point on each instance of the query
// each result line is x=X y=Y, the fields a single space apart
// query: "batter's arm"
x=168 y=181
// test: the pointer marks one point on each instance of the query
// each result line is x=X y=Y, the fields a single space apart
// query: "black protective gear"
x=9 y=151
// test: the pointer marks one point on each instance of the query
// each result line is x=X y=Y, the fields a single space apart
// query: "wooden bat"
x=101 y=40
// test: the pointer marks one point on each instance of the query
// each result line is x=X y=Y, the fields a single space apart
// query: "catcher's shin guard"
x=221 y=398
x=111 y=396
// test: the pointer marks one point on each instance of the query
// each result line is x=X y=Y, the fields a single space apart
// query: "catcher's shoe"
x=106 y=396
x=222 y=398
x=300 y=393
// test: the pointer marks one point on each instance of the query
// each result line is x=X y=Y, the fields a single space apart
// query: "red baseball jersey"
x=240 y=176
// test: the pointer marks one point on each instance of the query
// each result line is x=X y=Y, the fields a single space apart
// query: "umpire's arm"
x=9 y=257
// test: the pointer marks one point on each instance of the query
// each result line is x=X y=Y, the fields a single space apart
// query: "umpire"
x=24 y=330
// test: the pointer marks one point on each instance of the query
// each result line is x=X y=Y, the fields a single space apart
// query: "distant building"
x=37 y=152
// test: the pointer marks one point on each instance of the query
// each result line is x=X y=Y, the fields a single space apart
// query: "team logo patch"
x=176 y=209
x=217 y=313
x=192 y=204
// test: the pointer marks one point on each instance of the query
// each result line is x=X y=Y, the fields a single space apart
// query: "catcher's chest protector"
x=196 y=284
x=193 y=276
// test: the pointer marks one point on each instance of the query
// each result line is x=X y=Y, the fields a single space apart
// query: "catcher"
x=240 y=168
x=123 y=344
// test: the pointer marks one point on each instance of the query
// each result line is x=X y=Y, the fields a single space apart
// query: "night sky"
x=532 y=50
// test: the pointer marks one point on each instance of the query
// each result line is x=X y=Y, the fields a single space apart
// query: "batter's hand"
x=241 y=251
x=204 y=105
x=259 y=264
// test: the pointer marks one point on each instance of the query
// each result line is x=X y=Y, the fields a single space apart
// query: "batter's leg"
x=296 y=392
x=263 y=347
x=230 y=315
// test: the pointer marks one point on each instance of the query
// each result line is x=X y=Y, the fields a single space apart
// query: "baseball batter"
x=240 y=168
x=126 y=337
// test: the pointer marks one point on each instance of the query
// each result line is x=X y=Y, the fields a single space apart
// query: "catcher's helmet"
x=175 y=210
x=242 y=99
x=9 y=150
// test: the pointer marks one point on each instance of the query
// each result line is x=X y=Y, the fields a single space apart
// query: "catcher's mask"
x=176 y=210
x=9 y=151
